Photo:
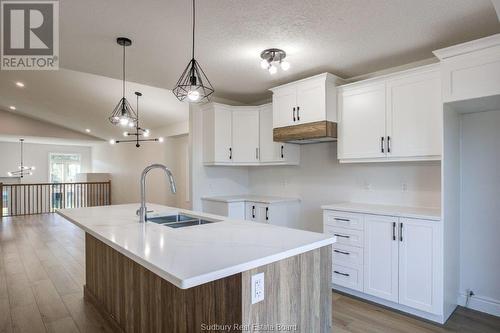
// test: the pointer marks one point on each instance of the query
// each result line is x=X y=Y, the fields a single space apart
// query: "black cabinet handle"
x=294 y=114
x=267 y=213
x=343 y=236
x=339 y=273
x=393 y=231
x=256 y=153
x=298 y=114
x=382 y=144
x=230 y=153
x=339 y=219
x=401 y=232
x=282 y=153
x=341 y=252
x=388 y=144
x=253 y=212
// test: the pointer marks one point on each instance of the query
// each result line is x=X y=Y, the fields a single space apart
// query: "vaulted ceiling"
x=344 y=37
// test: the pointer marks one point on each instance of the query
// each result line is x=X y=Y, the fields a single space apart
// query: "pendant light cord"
x=123 y=71
x=192 y=55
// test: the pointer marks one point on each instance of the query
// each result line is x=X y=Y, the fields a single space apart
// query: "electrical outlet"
x=257 y=288
x=404 y=187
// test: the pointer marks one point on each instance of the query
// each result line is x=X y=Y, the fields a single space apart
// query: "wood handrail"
x=40 y=198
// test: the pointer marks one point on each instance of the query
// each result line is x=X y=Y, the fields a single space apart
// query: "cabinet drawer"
x=348 y=277
x=346 y=255
x=343 y=219
x=346 y=236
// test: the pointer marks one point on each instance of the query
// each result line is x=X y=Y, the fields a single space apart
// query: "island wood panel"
x=297 y=292
x=135 y=299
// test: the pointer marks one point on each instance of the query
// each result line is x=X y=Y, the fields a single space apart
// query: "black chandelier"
x=123 y=113
x=22 y=169
x=193 y=83
x=141 y=134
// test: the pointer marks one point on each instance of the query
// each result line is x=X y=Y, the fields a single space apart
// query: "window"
x=64 y=167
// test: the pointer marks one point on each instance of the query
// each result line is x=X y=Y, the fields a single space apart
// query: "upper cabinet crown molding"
x=471 y=70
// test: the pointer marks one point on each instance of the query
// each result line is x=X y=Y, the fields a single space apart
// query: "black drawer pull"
x=341 y=252
x=339 y=219
x=339 y=273
x=343 y=236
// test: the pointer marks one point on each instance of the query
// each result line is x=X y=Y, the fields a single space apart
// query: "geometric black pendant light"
x=140 y=134
x=123 y=113
x=193 y=85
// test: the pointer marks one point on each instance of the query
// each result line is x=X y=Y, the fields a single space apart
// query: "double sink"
x=179 y=220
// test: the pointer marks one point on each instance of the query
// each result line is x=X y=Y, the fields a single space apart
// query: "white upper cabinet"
x=414 y=115
x=217 y=134
x=270 y=151
x=362 y=122
x=245 y=147
x=471 y=70
x=394 y=118
x=305 y=101
x=243 y=135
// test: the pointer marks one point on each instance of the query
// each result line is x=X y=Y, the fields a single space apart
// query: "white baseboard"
x=481 y=303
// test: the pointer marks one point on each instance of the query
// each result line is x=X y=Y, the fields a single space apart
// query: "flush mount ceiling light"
x=22 y=169
x=140 y=133
x=20 y=84
x=272 y=58
x=193 y=83
x=123 y=114
x=12 y=107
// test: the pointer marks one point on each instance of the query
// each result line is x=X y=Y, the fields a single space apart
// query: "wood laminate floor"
x=42 y=274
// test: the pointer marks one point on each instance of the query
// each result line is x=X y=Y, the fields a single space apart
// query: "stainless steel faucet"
x=142 y=211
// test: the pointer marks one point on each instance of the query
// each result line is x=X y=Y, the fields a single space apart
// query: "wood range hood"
x=315 y=132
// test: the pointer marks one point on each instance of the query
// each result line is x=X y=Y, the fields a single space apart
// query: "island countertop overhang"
x=195 y=255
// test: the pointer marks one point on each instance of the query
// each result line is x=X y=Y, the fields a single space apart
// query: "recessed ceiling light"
x=19 y=84
x=88 y=130
x=12 y=107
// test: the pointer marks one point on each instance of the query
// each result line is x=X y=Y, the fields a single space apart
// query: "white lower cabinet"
x=381 y=257
x=419 y=264
x=395 y=260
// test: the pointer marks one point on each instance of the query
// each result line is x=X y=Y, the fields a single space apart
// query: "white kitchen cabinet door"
x=362 y=122
x=419 y=263
x=245 y=148
x=251 y=211
x=381 y=257
x=311 y=101
x=217 y=134
x=269 y=150
x=264 y=213
x=284 y=104
x=414 y=115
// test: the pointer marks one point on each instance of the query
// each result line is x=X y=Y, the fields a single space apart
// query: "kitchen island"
x=150 y=277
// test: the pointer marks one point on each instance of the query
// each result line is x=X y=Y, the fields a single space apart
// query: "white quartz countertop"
x=399 y=211
x=250 y=198
x=191 y=256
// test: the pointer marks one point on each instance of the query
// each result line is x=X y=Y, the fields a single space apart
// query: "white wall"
x=125 y=163
x=321 y=179
x=37 y=155
x=480 y=209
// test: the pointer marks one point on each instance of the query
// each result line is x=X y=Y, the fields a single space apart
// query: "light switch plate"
x=257 y=288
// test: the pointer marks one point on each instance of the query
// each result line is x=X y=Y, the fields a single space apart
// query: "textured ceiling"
x=79 y=100
x=345 y=37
